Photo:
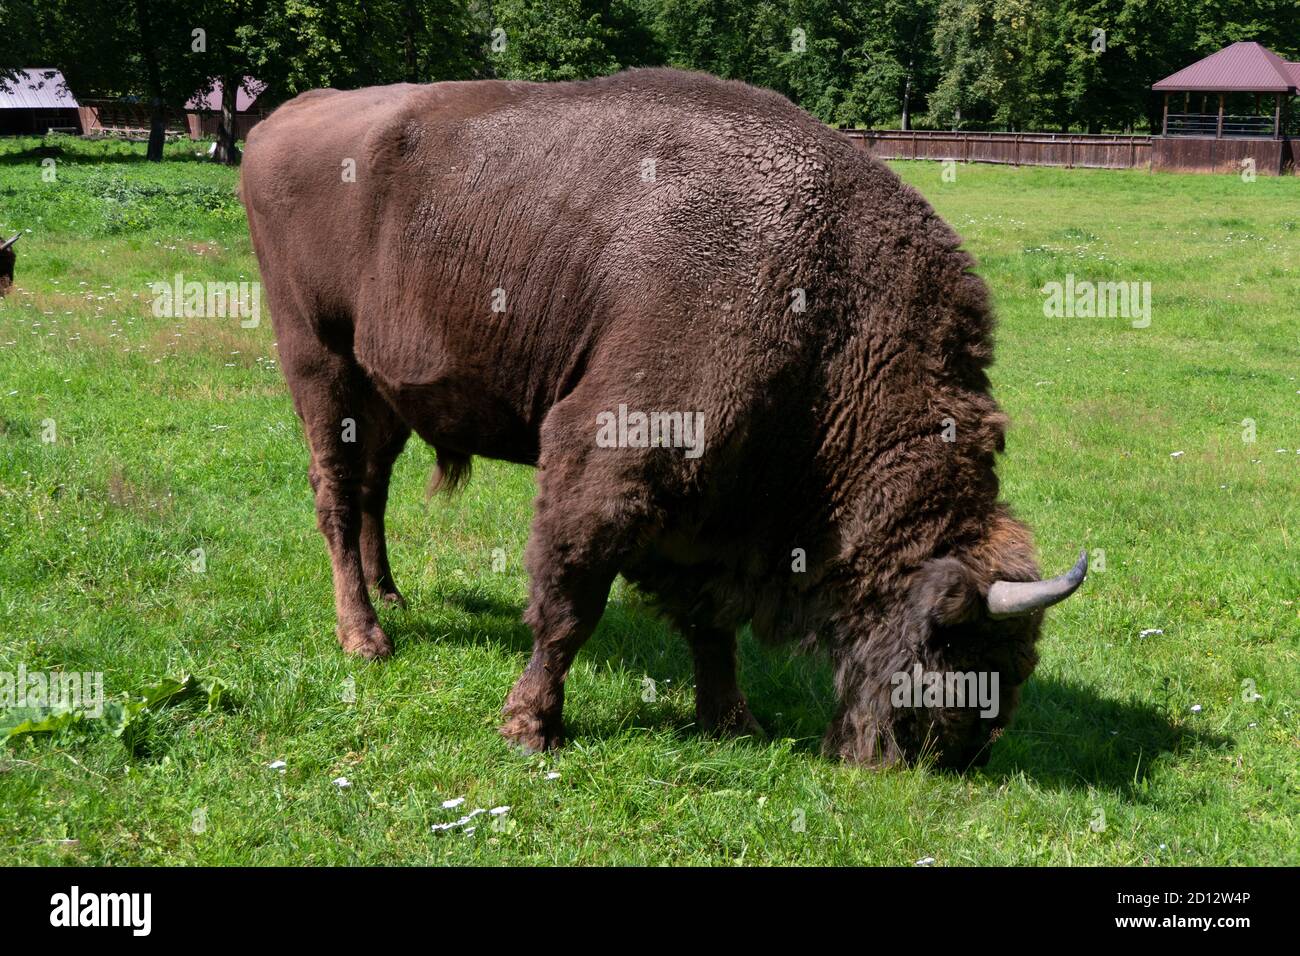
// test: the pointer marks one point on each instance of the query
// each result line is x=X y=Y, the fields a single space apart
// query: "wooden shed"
x=36 y=101
x=1226 y=110
x=203 y=111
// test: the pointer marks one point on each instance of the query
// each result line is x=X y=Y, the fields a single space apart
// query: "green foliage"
x=131 y=205
x=567 y=39
x=846 y=62
x=127 y=718
x=1082 y=64
x=350 y=43
x=138 y=48
x=111 y=198
x=997 y=64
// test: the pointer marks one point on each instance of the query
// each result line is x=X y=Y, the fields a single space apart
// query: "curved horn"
x=1017 y=598
x=10 y=242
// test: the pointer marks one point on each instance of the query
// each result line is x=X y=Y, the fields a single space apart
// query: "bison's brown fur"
x=7 y=260
x=648 y=235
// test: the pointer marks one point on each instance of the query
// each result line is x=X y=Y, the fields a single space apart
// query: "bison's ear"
x=945 y=592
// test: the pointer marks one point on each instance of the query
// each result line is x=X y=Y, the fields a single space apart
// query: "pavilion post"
x=1164 y=129
x=1277 y=117
x=1219 y=131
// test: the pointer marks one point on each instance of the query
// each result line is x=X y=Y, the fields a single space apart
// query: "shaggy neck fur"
x=910 y=437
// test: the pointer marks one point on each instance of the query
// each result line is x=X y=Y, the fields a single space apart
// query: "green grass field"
x=171 y=435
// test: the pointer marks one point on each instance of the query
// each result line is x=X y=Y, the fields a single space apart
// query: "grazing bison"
x=747 y=361
x=7 y=259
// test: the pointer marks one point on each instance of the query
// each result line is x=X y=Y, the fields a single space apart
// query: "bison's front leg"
x=567 y=597
x=584 y=523
x=720 y=707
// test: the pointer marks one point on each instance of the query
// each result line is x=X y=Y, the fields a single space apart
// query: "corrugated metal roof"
x=1295 y=73
x=1242 y=67
x=36 y=88
x=250 y=88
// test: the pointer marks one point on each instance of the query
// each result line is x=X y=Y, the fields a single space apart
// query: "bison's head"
x=937 y=671
x=7 y=259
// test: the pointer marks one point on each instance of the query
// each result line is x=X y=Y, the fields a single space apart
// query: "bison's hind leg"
x=720 y=708
x=354 y=438
x=387 y=438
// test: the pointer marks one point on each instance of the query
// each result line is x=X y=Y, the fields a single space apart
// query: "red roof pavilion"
x=1239 y=68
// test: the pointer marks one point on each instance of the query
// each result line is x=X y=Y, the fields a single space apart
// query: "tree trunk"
x=412 y=17
x=226 y=151
x=158 y=114
x=157 y=131
x=907 y=98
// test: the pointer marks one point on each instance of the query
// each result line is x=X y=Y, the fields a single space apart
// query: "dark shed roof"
x=1242 y=67
x=37 y=88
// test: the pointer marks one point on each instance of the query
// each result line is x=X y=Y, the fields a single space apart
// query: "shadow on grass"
x=629 y=641
x=34 y=155
x=1065 y=735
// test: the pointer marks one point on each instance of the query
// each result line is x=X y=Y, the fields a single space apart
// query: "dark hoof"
x=370 y=643
x=392 y=599
x=733 y=721
x=530 y=735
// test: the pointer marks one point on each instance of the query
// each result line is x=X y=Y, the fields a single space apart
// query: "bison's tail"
x=450 y=473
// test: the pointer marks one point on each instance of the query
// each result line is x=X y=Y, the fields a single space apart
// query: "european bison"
x=7 y=259
x=747 y=361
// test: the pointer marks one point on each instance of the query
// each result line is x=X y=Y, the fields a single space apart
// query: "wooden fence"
x=132 y=120
x=1206 y=154
x=1101 y=151
x=1188 y=153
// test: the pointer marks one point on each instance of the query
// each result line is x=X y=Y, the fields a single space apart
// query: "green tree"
x=566 y=39
x=145 y=50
